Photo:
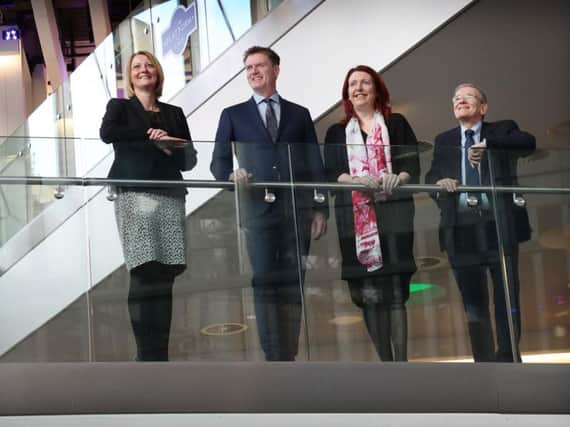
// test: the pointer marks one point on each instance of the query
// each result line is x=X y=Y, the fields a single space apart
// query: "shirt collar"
x=476 y=128
x=259 y=99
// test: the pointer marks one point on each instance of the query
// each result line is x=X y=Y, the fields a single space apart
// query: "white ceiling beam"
x=46 y=26
x=100 y=20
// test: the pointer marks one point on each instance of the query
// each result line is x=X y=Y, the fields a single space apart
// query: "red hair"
x=382 y=103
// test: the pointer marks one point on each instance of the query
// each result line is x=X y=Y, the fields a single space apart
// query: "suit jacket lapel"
x=456 y=153
x=254 y=112
x=485 y=132
x=284 y=105
x=167 y=119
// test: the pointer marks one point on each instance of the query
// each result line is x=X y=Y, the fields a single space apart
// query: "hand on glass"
x=475 y=153
x=449 y=184
x=240 y=176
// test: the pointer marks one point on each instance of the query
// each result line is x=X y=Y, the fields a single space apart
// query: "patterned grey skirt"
x=152 y=228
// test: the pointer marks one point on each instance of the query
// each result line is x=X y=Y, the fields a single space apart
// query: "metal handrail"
x=200 y=183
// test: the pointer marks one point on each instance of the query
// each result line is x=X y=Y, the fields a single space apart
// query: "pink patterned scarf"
x=370 y=159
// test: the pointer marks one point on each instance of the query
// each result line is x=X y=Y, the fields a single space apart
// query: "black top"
x=155 y=119
x=125 y=125
x=395 y=216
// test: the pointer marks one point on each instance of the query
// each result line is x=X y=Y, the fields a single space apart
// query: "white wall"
x=315 y=54
x=13 y=97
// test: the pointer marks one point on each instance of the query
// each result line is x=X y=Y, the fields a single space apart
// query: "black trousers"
x=150 y=310
x=275 y=254
x=383 y=303
x=472 y=282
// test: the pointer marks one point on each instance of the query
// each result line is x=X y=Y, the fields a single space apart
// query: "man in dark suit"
x=472 y=225
x=273 y=140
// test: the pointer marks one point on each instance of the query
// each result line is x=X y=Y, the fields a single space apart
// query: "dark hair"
x=382 y=103
x=270 y=53
x=159 y=73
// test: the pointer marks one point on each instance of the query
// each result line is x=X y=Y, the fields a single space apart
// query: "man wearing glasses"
x=482 y=153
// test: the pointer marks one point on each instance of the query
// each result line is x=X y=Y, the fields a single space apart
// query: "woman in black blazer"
x=151 y=141
x=377 y=148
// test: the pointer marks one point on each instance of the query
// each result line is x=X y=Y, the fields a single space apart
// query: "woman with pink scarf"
x=377 y=148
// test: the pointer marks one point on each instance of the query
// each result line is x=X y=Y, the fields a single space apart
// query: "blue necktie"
x=270 y=119
x=471 y=173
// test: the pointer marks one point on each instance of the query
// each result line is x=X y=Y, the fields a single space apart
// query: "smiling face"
x=468 y=105
x=261 y=74
x=144 y=74
x=361 y=91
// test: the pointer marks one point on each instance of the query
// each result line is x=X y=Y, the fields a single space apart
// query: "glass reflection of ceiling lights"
x=223 y=329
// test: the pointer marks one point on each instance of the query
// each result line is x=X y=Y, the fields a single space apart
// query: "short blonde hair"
x=159 y=73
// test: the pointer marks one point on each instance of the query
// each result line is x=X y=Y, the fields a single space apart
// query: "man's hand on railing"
x=240 y=176
x=318 y=226
x=449 y=184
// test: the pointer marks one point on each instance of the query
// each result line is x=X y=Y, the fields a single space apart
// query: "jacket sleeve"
x=335 y=162
x=185 y=158
x=115 y=127
x=315 y=161
x=522 y=143
x=314 y=153
x=222 y=157
x=411 y=163
x=435 y=172
x=439 y=169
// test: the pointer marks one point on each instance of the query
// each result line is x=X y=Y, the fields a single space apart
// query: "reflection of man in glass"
x=482 y=153
x=275 y=140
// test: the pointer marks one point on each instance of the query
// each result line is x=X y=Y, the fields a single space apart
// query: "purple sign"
x=182 y=24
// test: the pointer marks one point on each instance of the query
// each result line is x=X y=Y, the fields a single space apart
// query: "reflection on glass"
x=238 y=15
x=216 y=33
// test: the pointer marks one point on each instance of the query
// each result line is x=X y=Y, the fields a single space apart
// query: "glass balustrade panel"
x=44 y=276
x=394 y=294
x=535 y=242
x=37 y=158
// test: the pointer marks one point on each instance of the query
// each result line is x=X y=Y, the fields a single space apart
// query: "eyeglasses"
x=458 y=98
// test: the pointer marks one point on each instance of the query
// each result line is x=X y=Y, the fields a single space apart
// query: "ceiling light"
x=223 y=329
x=10 y=34
x=346 y=319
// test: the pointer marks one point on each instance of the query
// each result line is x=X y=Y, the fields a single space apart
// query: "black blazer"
x=505 y=144
x=395 y=216
x=125 y=125
x=296 y=151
